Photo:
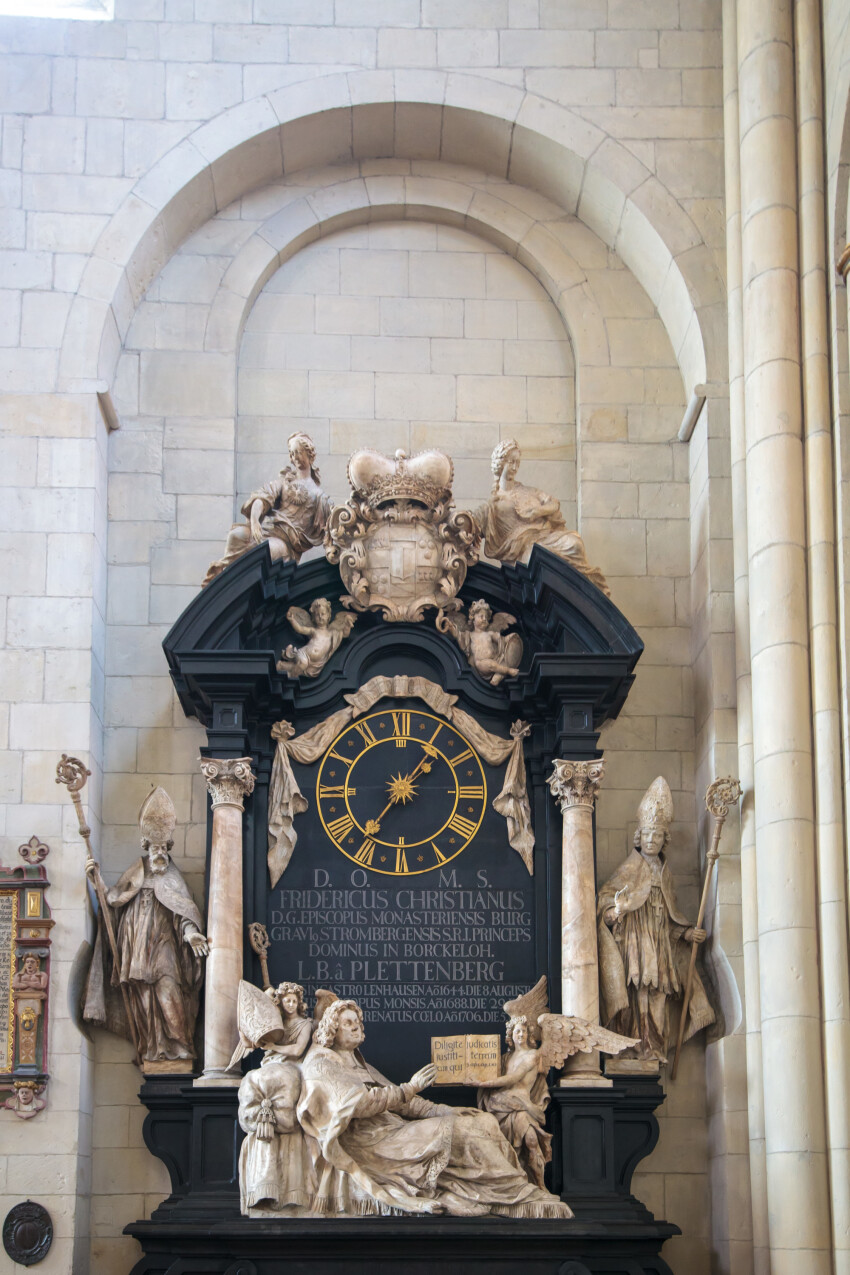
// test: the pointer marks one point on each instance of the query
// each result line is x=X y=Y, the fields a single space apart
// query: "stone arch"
x=419 y=115
x=448 y=200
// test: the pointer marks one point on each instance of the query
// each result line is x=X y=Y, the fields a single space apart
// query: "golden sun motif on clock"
x=401 y=792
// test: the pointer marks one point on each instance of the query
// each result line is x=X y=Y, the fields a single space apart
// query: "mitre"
x=157 y=817
x=656 y=807
x=425 y=478
x=259 y=1019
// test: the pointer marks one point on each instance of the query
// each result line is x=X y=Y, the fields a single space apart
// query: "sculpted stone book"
x=466 y=1060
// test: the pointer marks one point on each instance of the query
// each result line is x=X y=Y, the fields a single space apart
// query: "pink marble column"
x=228 y=781
x=575 y=785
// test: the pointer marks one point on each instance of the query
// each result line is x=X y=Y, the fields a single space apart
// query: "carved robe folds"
x=161 y=972
x=275 y=1166
x=387 y=1151
x=643 y=958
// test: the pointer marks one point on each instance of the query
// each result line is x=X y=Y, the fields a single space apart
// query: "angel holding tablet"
x=536 y=1041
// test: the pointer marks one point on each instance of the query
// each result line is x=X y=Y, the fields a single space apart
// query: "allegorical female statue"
x=291 y=512
x=645 y=940
x=516 y=517
x=276 y=1173
x=384 y=1149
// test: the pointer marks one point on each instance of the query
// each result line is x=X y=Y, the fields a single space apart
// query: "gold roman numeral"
x=464 y=826
x=472 y=793
x=455 y=761
x=400 y=861
x=339 y=828
x=401 y=728
x=364 y=854
x=366 y=731
x=441 y=858
x=325 y=791
x=347 y=761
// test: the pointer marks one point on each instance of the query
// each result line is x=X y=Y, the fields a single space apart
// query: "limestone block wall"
x=602 y=115
x=407 y=335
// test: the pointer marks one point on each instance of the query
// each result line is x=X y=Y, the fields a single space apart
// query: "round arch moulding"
x=424 y=116
x=542 y=245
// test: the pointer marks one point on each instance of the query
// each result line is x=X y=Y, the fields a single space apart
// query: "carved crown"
x=378 y=479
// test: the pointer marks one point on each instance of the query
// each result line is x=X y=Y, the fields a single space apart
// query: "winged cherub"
x=490 y=653
x=324 y=634
x=537 y=1040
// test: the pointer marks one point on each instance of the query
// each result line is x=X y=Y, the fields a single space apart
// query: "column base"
x=591 y=1080
x=218 y=1080
x=168 y=1067
x=632 y=1067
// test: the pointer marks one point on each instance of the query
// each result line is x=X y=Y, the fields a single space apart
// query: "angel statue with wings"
x=492 y=654
x=537 y=1040
x=276 y=1173
x=324 y=634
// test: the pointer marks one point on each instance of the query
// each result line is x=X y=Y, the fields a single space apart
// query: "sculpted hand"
x=621 y=902
x=199 y=943
x=91 y=868
x=693 y=935
x=423 y=1077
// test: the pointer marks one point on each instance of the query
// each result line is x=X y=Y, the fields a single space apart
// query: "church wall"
x=411 y=335
x=95 y=106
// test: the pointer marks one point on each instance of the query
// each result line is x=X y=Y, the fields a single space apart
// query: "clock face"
x=401 y=792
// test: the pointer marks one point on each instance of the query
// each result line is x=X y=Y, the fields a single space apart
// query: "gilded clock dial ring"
x=401 y=792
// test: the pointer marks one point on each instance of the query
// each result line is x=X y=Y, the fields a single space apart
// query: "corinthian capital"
x=576 y=783
x=228 y=779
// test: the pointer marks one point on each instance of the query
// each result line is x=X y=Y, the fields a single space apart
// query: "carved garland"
x=286 y=799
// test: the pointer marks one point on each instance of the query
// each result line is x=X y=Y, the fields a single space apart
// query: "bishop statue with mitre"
x=645 y=940
x=160 y=942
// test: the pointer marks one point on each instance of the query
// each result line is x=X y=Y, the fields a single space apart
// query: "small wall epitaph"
x=27 y=1233
x=8 y=923
x=25 y=925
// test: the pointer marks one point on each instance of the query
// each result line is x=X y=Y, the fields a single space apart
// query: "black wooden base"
x=386 y=1246
x=600 y=1136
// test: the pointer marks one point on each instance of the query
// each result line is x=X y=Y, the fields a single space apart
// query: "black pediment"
x=580 y=651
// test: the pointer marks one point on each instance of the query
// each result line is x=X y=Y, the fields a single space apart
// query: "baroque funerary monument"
x=425 y=464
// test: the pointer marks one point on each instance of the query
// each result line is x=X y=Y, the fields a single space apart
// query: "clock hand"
x=403 y=789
